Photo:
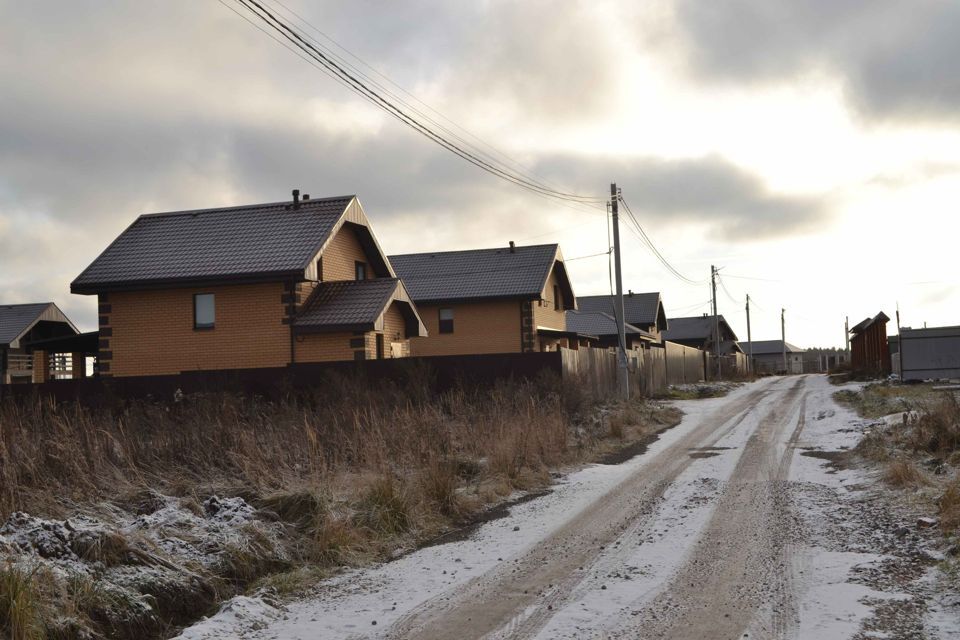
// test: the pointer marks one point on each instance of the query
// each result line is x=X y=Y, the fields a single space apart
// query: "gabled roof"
x=869 y=322
x=356 y=305
x=448 y=276
x=250 y=243
x=597 y=323
x=762 y=347
x=17 y=319
x=638 y=308
x=697 y=328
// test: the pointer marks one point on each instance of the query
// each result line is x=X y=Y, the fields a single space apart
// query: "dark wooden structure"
x=868 y=345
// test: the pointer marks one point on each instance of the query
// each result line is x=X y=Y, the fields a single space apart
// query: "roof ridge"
x=263 y=205
x=507 y=249
x=25 y=304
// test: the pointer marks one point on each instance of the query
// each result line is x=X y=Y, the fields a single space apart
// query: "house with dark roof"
x=700 y=332
x=501 y=300
x=642 y=310
x=263 y=285
x=868 y=345
x=21 y=325
x=768 y=356
x=599 y=329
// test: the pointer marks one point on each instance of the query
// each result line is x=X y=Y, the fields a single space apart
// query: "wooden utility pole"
x=622 y=371
x=783 y=338
x=749 y=337
x=716 y=319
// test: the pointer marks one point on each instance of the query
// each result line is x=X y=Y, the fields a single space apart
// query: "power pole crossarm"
x=622 y=372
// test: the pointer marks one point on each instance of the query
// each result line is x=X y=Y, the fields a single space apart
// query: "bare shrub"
x=20 y=605
x=904 y=473
x=950 y=508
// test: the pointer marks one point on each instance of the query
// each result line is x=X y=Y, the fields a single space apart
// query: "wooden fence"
x=683 y=365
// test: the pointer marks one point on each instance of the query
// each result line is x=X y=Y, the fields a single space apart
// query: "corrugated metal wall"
x=927 y=354
x=683 y=364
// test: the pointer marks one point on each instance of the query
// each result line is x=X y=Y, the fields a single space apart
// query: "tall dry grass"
x=52 y=452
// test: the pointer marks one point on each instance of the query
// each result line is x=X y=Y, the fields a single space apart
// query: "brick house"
x=262 y=285
x=20 y=326
x=642 y=310
x=505 y=300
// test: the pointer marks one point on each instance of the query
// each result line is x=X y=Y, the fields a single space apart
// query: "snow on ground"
x=843 y=570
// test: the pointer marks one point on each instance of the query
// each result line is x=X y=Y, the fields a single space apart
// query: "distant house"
x=868 y=345
x=700 y=332
x=261 y=285
x=503 y=300
x=768 y=356
x=643 y=310
x=20 y=326
x=600 y=330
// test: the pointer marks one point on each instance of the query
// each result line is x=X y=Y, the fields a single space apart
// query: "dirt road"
x=729 y=575
x=734 y=524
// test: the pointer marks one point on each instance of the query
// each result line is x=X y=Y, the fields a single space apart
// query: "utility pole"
x=716 y=319
x=622 y=372
x=783 y=338
x=749 y=337
x=846 y=335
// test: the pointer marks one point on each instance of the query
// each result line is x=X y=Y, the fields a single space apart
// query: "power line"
x=645 y=239
x=592 y=255
x=334 y=68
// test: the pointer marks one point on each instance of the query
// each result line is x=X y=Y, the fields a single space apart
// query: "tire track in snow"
x=515 y=601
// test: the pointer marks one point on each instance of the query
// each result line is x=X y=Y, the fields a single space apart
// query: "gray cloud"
x=897 y=59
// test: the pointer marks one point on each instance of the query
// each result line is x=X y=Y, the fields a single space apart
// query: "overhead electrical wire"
x=638 y=231
x=335 y=68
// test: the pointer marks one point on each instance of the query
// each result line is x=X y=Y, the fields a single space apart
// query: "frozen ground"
x=735 y=523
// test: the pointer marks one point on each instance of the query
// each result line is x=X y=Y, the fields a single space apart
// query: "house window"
x=320 y=269
x=204 y=313
x=556 y=298
x=360 y=270
x=446 y=320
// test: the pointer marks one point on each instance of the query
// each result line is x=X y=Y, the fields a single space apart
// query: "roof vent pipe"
x=305 y=197
x=513 y=247
x=296 y=198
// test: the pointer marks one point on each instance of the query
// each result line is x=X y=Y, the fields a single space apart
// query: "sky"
x=810 y=149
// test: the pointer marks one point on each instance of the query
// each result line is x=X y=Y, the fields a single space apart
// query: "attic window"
x=204 y=311
x=360 y=270
x=557 y=302
x=446 y=320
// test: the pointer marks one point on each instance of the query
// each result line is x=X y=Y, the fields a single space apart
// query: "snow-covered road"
x=720 y=529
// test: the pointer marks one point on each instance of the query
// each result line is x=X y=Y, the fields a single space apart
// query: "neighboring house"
x=700 y=331
x=768 y=356
x=505 y=300
x=929 y=353
x=643 y=310
x=262 y=285
x=868 y=345
x=600 y=330
x=22 y=324
x=820 y=360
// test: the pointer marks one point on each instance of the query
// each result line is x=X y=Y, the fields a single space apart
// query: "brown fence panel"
x=595 y=369
x=684 y=365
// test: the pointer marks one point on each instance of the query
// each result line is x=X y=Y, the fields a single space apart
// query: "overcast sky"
x=809 y=148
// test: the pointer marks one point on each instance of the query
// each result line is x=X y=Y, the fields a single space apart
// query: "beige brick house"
x=504 y=300
x=261 y=285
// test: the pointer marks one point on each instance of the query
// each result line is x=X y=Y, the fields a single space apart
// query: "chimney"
x=296 y=198
x=513 y=247
x=630 y=292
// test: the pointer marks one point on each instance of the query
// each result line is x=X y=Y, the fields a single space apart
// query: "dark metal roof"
x=697 y=328
x=356 y=305
x=86 y=343
x=17 y=319
x=479 y=273
x=598 y=323
x=347 y=302
x=255 y=241
x=638 y=308
x=761 y=347
x=869 y=322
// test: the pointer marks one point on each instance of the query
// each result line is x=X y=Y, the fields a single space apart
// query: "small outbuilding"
x=868 y=345
x=21 y=326
x=768 y=356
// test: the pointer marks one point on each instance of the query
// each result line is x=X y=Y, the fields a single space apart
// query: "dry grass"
x=904 y=473
x=352 y=475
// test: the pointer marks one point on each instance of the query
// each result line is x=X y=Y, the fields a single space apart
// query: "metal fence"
x=683 y=365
